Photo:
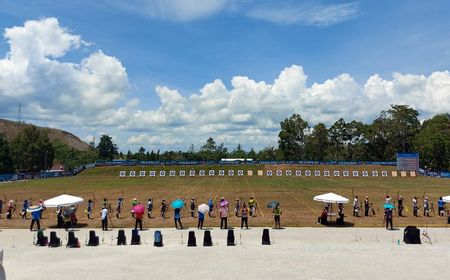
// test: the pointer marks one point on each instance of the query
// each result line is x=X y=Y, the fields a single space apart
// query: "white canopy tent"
x=63 y=200
x=331 y=198
x=446 y=198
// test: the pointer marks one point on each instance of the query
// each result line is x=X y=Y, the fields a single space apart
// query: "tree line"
x=397 y=129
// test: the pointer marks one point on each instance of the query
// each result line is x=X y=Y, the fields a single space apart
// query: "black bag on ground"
x=207 y=240
x=230 y=238
x=265 y=237
x=42 y=240
x=72 y=241
x=54 y=240
x=135 y=237
x=158 y=239
x=93 y=239
x=121 y=238
x=192 y=241
x=411 y=235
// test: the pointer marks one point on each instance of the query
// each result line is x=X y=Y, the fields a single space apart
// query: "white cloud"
x=302 y=13
x=31 y=73
x=90 y=97
x=173 y=10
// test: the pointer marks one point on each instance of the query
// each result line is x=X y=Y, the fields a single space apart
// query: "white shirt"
x=104 y=213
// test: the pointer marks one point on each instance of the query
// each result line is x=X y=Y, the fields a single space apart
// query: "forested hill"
x=11 y=129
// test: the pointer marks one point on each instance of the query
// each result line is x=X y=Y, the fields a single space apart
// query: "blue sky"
x=346 y=59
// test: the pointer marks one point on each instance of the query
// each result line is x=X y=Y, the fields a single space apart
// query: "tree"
x=6 y=162
x=292 y=137
x=251 y=154
x=238 y=152
x=106 y=148
x=268 y=153
x=433 y=142
x=404 y=126
x=317 y=143
x=70 y=157
x=32 y=151
x=140 y=154
x=208 y=151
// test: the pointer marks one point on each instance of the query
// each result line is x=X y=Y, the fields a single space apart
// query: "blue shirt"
x=36 y=215
x=441 y=203
x=176 y=213
x=201 y=216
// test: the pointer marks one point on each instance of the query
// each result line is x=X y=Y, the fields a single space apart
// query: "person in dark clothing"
x=388 y=217
x=400 y=205
x=244 y=216
x=177 y=218
x=192 y=206
x=366 y=206
x=59 y=216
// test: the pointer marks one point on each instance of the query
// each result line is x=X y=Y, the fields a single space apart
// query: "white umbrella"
x=203 y=208
x=63 y=200
x=446 y=198
x=331 y=198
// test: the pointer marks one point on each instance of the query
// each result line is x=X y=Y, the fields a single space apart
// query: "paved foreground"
x=296 y=253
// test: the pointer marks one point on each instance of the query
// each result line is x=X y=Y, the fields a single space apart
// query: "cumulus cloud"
x=32 y=74
x=282 y=12
x=89 y=96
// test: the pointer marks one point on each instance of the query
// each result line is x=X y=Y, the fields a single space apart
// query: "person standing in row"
x=400 y=205
x=388 y=217
x=211 y=208
x=119 y=205
x=104 y=213
x=201 y=219
x=138 y=216
x=252 y=206
x=426 y=207
x=134 y=202
x=244 y=216
x=24 y=209
x=149 y=208
x=441 y=205
x=177 y=217
x=223 y=213
x=237 y=207
x=355 y=207
x=276 y=216
x=90 y=205
x=415 y=206
x=35 y=217
x=192 y=207
x=163 y=209
x=366 y=206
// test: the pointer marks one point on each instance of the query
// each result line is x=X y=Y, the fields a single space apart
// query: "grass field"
x=295 y=195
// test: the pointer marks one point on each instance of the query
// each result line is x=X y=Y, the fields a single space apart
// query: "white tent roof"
x=331 y=198
x=63 y=200
x=446 y=198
